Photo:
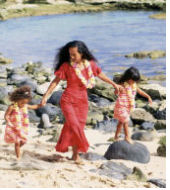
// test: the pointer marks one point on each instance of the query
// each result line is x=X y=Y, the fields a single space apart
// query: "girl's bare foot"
x=116 y=139
x=128 y=140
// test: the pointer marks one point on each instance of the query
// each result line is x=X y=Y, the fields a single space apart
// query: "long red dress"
x=74 y=105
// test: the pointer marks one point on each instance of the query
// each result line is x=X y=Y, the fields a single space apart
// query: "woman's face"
x=75 y=56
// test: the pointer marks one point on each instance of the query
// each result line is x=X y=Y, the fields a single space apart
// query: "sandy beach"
x=54 y=172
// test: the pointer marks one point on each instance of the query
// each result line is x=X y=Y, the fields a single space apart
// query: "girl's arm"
x=34 y=107
x=50 y=89
x=103 y=77
x=144 y=94
x=7 y=115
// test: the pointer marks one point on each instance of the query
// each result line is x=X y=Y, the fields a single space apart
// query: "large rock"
x=32 y=84
x=123 y=150
x=4 y=94
x=55 y=98
x=156 y=91
x=99 y=101
x=16 y=79
x=137 y=175
x=160 y=124
x=151 y=54
x=49 y=109
x=92 y=156
x=4 y=60
x=45 y=121
x=140 y=115
x=108 y=126
x=104 y=90
x=33 y=117
x=113 y=170
x=93 y=117
x=147 y=126
x=161 y=183
x=144 y=135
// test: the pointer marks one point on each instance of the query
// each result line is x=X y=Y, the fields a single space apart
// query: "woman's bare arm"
x=103 y=77
x=50 y=89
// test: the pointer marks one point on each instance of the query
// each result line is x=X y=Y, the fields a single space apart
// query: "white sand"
x=66 y=173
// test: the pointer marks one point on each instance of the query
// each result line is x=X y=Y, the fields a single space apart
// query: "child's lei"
x=19 y=119
x=90 y=83
x=130 y=91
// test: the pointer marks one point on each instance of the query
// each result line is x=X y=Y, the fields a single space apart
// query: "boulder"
x=140 y=115
x=4 y=99
x=45 y=121
x=49 y=109
x=32 y=84
x=137 y=175
x=55 y=98
x=161 y=150
x=99 y=101
x=113 y=170
x=147 y=126
x=160 y=124
x=161 y=183
x=16 y=79
x=93 y=117
x=156 y=91
x=144 y=54
x=108 y=126
x=104 y=90
x=92 y=156
x=4 y=60
x=33 y=117
x=144 y=135
x=123 y=150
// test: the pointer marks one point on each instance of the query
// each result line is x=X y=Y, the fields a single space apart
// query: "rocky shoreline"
x=23 y=8
x=147 y=125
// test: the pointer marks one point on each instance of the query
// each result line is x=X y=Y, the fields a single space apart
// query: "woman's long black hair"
x=131 y=73
x=64 y=56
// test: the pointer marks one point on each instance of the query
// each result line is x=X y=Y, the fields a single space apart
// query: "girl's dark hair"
x=64 y=56
x=23 y=92
x=131 y=73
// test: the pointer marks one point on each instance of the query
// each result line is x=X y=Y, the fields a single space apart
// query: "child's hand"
x=150 y=100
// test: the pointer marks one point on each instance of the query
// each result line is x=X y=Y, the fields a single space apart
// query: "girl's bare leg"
x=17 y=150
x=127 y=136
x=118 y=130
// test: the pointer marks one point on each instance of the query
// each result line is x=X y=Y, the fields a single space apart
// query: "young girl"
x=125 y=102
x=16 y=117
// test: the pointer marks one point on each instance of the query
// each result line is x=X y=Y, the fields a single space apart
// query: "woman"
x=75 y=64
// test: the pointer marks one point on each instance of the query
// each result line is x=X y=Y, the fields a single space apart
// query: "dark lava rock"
x=49 y=109
x=55 y=98
x=158 y=182
x=92 y=156
x=123 y=150
x=113 y=170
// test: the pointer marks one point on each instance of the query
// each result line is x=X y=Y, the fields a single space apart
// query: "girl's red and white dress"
x=125 y=103
x=18 y=130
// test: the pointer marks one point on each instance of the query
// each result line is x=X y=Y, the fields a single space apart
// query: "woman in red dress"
x=76 y=65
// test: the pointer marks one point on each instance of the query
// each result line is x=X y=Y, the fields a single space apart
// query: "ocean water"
x=109 y=35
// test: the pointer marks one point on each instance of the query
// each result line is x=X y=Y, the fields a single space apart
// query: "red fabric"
x=74 y=105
